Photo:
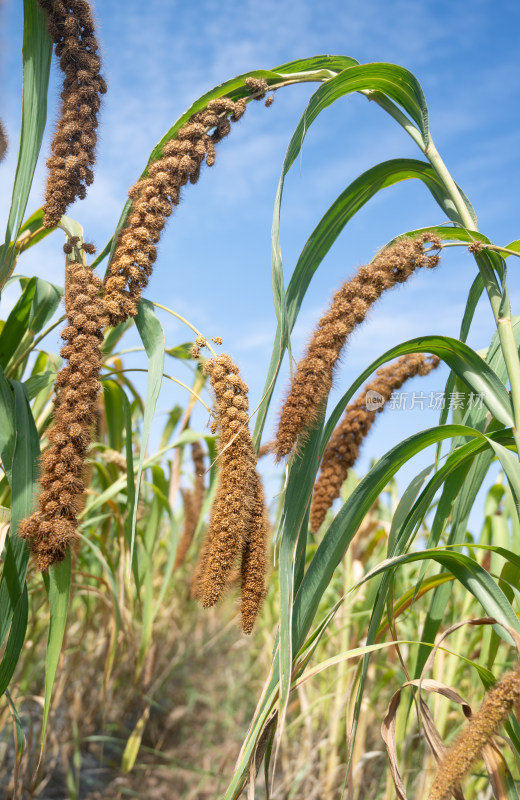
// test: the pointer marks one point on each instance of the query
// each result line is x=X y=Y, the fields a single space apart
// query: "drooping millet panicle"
x=154 y=198
x=193 y=500
x=71 y=28
x=254 y=561
x=52 y=529
x=234 y=503
x=477 y=732
x=343 y=447
x=312 y=380
x=3 y=140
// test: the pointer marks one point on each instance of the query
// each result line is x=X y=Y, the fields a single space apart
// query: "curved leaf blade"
x=57 y=583
x=36 y=55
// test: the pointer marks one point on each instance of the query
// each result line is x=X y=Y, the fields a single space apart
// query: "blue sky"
x=214 y=261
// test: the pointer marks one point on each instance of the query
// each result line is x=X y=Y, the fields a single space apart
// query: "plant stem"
x=503 y=320
x=433 y=156
x=390 y=107
x=494 y=247
x=182 y=319
x=170 y=377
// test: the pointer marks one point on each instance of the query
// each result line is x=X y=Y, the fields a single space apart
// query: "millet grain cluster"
x=475 y=735
x=53 y=526
x=153 y=199
x=343 y=447
x=71 y=28
x=312 y=381
x=254 y=560
x=238 y=527
x=52 y=529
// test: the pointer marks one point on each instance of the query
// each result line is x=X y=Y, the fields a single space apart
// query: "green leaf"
x=512 y=246
x=119 y=485
x=451 y=474
x=7 y=429
x=472 y=576
x=293 y=544
x=16 y=324
x=113 y=402
x=234 y=89
x=34 y=310
x=37 y=383
x=181 y=351
x=19 y=736
x=474 y=295
x=114 y=335
x=316 y=64
x=171 y=423
x=31 y=232
x=152 y=336
x=460 y=492
x=15 y=641
x=23 y=481
x=131 y=502
x=394 y=82
x=46 y=300
x=381 y=77
x=36 y=55
x=57 y=583
x=402 y=512
x=348 y=519
x=349 y=202
x=134 y=742
x=468 y=365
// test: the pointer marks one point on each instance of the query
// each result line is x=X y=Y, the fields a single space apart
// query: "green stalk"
x=390 y=107
x=503 y=321
x=499 y=303
x=433 y=156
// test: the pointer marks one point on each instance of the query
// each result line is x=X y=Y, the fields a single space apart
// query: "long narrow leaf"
x=36 y=54
x=58 y=587
x=152 y=337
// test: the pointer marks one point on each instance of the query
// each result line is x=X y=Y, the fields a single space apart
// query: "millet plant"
x=368 y=592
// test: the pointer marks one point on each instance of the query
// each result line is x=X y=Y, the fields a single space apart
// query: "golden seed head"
x=52 y=529
x=71 y=28
x=312 y=381
x=342 y=449
x=233 y=507
x=478 y=731
x=153 y=199
x=254 y=561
